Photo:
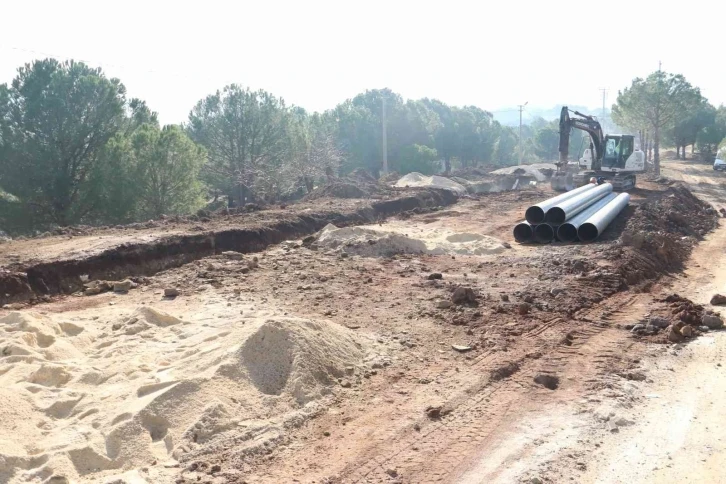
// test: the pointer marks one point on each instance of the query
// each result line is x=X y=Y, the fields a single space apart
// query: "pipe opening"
x=544 y=233
x=587 y=232
x=534 y=215
x=556 y=216
x=523 y=232
x=567 y=233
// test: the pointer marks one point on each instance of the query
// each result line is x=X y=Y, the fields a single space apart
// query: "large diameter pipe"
x=567 y=232
x=598 y=222
x=563 y=211
x=536 y=213
x=523 y=232
x=544 y=233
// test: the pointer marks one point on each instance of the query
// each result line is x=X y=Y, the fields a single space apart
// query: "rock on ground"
x=463 y=295
x=712 y=321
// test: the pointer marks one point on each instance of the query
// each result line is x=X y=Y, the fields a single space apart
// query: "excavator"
x=612 y=157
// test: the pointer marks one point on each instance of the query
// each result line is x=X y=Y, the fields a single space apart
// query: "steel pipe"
x=567 y=232
x=598 y=222
x=536 y=213
x=544 y=233
x=563 y=211
x=523 y=232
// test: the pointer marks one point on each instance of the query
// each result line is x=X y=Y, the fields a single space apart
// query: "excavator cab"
x=618 y=149
x=613 y=157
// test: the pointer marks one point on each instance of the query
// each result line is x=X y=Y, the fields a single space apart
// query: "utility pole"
x=604 y=92
x=383 y=131
x=521 y=108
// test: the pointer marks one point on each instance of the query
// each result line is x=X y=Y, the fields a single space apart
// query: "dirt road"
x=672 y=420
x=680 y=433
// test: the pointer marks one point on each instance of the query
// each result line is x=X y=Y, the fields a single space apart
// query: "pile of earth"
x=357 y=184
x=675 y=319
x=475 y=172
x=338 y=189
x=389 y=178
x=415 y=179
x=538 y=171
x=661 y=233
x=393 y=240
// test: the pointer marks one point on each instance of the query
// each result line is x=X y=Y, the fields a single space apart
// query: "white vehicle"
x=719 y=164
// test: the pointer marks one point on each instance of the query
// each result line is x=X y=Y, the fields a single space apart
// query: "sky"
x=315 y=54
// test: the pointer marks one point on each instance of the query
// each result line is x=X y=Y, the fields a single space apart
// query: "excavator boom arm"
x=587 y=124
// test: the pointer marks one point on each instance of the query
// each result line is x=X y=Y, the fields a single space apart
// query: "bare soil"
x=501 y=367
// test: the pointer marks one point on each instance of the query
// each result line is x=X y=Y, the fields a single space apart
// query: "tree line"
x=75 y=149
x=666 y=110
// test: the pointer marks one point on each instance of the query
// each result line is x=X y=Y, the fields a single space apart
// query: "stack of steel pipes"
x=580 y=214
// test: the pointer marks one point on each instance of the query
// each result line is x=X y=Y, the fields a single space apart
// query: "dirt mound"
x=538 y=171
x=475 y=172
x=361 y=175
x=394 y=240
x=299 y=357
x=415 y=179
x=389 y=178
x=675 y=319
x=661 y=233
x=367 y=242
x=357 y=184
x=338 y=189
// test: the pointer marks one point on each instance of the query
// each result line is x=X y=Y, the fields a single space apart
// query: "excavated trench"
x=147 y=259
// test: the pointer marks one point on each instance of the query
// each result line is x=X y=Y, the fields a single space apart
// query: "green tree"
x=653 y=104
x=505 y=146
x=547 y=143
x=475 y=135
x=55 y=118
x=114 y=177
x=695 y=115
x=314 y=151
x=245 y=135
x=447 y=136
x=418 y=158
x=712 y=134
x=113 y=181
x=358 y=135
x=167 y=171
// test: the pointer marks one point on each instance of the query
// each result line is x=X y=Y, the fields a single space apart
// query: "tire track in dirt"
x=440 y=451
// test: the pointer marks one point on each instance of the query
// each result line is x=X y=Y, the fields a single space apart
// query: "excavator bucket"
x=562 y=182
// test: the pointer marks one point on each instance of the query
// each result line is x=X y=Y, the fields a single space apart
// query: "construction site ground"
x=311 y=362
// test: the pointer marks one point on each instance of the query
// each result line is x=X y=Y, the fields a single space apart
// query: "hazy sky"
x=493 y=54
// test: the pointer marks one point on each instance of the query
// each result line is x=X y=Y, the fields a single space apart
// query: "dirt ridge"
x=146 y=259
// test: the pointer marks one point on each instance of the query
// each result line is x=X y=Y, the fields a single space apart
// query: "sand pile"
x=298 y=357
x=393 y=238
x=86 y=400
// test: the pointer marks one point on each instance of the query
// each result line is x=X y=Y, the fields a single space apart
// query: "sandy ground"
x=333 y=366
